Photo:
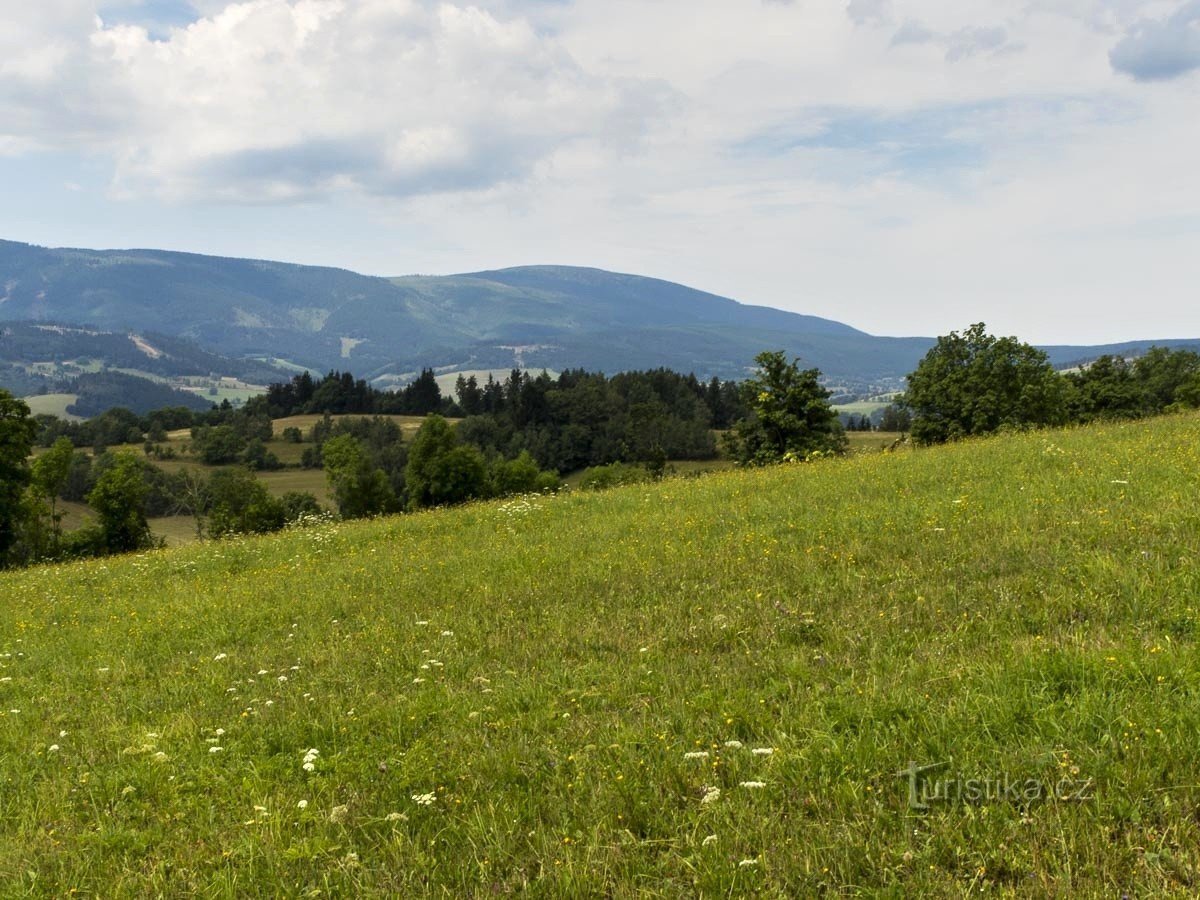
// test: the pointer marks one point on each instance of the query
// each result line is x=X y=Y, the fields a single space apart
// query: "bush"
x=599 y=478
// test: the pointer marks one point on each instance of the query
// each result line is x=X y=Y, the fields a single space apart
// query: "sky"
x=908 y=167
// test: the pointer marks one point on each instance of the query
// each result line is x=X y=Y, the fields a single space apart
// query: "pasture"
x=705 y=687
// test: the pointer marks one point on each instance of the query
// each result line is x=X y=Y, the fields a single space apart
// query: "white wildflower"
x=219 y=732
x=753 y=785
x=762 y=751
x=216 y=749
x=396 y=817
x=220 y=656
x=53 y=748
x=696 y=754
x=711 y=795
x=303 y=804
x=734 y=745
x=447 y=634
x=747 y=863
x=711 y=839
x=339 y=814
x=424 y=799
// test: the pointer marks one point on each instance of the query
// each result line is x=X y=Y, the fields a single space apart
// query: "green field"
x=53 y=405
x=693 y=688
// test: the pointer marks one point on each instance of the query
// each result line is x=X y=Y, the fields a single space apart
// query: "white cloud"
x=886 y=163
x=271 y=100
x=1159 y=49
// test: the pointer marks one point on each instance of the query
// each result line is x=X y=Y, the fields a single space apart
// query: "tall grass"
x=565 y=695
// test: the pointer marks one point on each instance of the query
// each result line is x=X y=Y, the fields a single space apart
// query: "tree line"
x=974 y=383
x=519 y=435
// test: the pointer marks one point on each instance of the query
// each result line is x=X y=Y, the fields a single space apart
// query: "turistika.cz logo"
x=925 y=790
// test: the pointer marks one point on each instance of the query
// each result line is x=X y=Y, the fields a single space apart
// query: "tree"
x=359 y=488
x=239 y=504
x=894 y=418
x=790 y=416
x=1107 y=389
x=1168 y=376
x=974 y=383
x=119 y=499
x=218 y=445
x=17 y=432
x=520 y=476
x=439 y=469
x=50 y=473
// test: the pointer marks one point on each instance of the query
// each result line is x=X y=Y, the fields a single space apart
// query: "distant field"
x=861 y=407
x=697 y=688
x=180 y=530
x=447 y=381
x=52 y=405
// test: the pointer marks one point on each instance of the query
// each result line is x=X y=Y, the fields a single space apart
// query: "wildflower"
x=711 y=795
x=219 y=732
x=281 y=678
x=216 y=749
x=762 y=751
x=424 y=799
x=734 y=745
x=711 y=839
x=447 y=634
x=396 y=817
x=220 y=656
x=308 y=767
x=696 y=754
x=261 y=672
x=160 y=757
x=753 y=785
x=303 y=804
x=62 y=734
x=747 y=863
x=53 y=748
x=339 y=814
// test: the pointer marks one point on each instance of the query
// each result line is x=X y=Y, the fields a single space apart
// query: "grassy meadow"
x=692 y=688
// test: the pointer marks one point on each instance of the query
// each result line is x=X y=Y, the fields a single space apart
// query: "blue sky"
x=906 y=166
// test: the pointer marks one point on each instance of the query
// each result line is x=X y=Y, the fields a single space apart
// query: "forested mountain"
x=388 y=329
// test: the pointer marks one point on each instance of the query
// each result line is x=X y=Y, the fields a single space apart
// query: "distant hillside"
x=552 y=316
x=386 y=329
x=102 y=369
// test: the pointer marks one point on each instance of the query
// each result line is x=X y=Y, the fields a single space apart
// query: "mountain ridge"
x=388 y=328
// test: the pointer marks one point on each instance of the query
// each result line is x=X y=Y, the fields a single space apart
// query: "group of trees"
x=975 y=383
x=583 y=419
x=371 y=471
x=30 y=525
x=340 y=392
x=518 y=435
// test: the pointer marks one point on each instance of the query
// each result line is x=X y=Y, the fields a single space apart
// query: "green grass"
x=53 y=405
x=539 y=671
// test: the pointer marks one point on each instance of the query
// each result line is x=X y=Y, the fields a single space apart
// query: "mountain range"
x=387 y=329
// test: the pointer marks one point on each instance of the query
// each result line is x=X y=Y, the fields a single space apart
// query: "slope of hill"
x=705 y=688
x=536 y=316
